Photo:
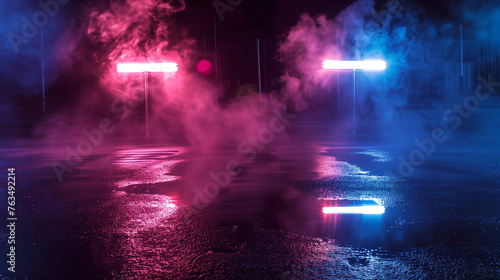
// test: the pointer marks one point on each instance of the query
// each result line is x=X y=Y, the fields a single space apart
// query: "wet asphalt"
x=127 y=212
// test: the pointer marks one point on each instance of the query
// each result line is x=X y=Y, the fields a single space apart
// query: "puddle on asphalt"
x=150 y=165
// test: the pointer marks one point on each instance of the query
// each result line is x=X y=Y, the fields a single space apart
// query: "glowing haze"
x=186 y=108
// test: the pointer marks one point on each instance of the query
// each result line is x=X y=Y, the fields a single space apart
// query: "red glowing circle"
x=204 y=67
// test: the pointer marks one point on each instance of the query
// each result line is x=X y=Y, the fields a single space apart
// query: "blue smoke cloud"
x=483 y=16
x=21 y=28
x=418 y=49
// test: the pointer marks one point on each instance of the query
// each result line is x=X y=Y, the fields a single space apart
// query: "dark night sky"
x=268 y=18
x=252 y=18
x=271 y=17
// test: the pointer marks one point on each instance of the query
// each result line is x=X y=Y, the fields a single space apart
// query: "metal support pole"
x=461 y=52
x=146 y=100
x=175 y=26
x=338 y=93
x=205 y=44
x=354 y=102
x=461 y=79
x=215 y=56
x=258 y=64
x=43 y=76
x=385 y=92
x=338 y=79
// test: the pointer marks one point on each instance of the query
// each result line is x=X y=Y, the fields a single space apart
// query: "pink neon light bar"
x=164 y=67
x=354 y=65
x=354 y=210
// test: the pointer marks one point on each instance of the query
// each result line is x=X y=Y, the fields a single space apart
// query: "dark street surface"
x=221 y=139
x=127 y=213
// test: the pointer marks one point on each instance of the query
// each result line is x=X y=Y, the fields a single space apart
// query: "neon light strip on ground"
x=354 y=210
x=351 y=65
x=147 y=67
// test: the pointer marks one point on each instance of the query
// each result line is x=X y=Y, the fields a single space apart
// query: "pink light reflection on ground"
x=146 y=211
x=152 y=165
x=142 y=214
